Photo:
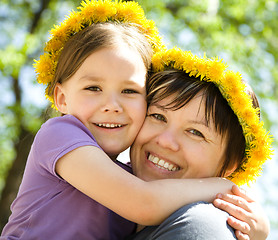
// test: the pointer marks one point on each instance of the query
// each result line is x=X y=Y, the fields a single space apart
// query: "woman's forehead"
x=200 y=107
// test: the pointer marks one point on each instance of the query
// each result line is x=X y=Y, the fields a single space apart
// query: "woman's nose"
x=112 y=104
x=168 y=139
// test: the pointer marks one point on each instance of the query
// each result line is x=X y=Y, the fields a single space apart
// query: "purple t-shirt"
x=47 y=207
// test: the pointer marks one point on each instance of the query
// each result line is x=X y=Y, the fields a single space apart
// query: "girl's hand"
x=247 y=217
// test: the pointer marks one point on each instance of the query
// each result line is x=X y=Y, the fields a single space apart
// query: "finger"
x=235 y=200
x=238 y=225
x=241 y=236
x=242 y=193
x=237 y=212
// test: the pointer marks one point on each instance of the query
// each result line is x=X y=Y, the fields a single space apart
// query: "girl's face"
x=107 y=94
x=177 y=144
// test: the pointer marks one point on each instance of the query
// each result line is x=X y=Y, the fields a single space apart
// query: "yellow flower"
x=60 y=32
x=231 y=79
x=201 y=67
x=54 y=45
x=238 y=103
x=103 y=11
x=130 y=12
x=257 y=129
x=234 y=90
x=44 y=66
x=74 y=21
x=188 y=63
x=87 y=13
x=216 y=70
x=158 y=64
x=249 y=116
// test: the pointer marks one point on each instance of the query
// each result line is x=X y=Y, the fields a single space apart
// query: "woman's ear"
x=230 y=170
x=60 y=98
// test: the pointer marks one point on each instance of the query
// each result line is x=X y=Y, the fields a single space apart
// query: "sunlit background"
x=243 y=33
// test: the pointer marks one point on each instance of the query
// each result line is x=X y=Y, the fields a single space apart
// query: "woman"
x=197 y=127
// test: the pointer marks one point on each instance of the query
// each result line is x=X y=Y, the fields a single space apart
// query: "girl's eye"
x=93 y=89
x=129 y=91
x=196 y=133
x=157 y=116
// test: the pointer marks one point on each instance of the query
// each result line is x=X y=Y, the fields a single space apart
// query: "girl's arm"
x=92 y=172
x=247 y=216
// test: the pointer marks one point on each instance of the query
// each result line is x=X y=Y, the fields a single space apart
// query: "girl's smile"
x=107 y=94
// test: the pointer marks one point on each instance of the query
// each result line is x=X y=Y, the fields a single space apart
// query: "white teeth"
x=170 y=167
x=155 y=160
x=108 y=125
x=162 y=164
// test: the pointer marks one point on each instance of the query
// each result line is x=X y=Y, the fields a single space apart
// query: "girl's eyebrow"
x=91 y=78
x=130 y=82
x=100 y=79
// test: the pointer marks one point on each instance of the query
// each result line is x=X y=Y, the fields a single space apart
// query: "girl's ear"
x=60 y=98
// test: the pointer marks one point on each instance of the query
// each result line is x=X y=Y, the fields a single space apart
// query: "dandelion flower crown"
x=91 y=12
x=233 y=89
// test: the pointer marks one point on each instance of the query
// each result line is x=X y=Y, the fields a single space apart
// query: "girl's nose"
x=112 y=104
x=167 y=139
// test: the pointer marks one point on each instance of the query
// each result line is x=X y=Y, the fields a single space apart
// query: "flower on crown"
x=258 y=141
x=88 y=13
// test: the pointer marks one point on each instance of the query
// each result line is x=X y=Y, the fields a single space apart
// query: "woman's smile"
x=162 y=163
x=177 y=143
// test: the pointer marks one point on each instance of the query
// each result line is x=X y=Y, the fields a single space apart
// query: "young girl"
x=95 y=66
x=204 y=121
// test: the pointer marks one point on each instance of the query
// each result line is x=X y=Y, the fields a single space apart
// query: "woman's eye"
x=129 y=91
x=93 y=89
x=196 y=133
x=158 y=117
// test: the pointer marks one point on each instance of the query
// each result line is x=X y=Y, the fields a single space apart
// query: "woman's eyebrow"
x=162 y=108
x=203 y=122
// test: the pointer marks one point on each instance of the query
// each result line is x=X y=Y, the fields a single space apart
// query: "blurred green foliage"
x=242 y=32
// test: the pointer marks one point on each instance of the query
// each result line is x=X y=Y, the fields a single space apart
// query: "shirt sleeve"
x=57 y=137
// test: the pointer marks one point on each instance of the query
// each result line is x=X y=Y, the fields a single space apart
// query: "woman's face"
x=177 y=144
